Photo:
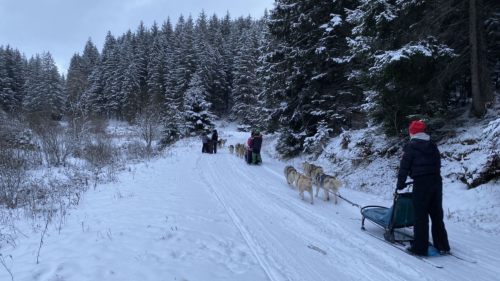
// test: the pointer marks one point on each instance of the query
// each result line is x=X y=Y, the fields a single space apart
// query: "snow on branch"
x=423 y=48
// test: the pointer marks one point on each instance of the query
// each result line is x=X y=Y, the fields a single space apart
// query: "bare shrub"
x=54 y=142
x=98 y=125
x=100 y=151
x=148 y=125
x=102 y=156
x=78 y=129
x=50 y=197
x=135 y=151
x=13 y=172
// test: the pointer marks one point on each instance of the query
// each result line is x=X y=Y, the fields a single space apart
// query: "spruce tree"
x=245 y=84
x=196 y=109
x=33 y=99
x=103 y=81
x=306 y=70
x=156 y=67
x=12 y=78
x=129 y=100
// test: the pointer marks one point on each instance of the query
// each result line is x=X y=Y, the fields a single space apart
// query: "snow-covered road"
x=193 y=216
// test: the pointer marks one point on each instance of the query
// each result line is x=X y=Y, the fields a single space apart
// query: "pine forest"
x=307 y=70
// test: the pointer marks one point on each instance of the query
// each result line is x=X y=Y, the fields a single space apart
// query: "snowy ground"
x=193 y=216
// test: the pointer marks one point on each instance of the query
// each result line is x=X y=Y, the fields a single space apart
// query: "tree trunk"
x=485 y=80
x=478 y=106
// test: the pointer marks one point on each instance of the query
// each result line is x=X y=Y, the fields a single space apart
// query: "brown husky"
x=304 y=183
x=311 y=170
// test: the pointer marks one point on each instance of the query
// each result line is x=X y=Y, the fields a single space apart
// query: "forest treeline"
x=305 y=69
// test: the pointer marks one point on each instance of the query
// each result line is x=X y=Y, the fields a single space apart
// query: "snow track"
x=279 y=227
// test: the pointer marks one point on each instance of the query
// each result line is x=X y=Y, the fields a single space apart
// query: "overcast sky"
x=62 y=27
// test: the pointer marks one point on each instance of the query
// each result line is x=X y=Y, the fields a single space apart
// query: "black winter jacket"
x=419 y=157
x=256 y=143
x=215 y=137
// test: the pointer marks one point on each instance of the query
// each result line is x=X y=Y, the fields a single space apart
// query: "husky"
x=231 y=149
x=240 y=150
x=290 y=175
x=237 y=149
x=327 y=183
x=304 y=183
x=221 y=143
x=308 y=168
x=243 y=151
x=316 y=170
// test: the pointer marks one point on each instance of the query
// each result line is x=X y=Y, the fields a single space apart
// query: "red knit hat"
x=417 y=127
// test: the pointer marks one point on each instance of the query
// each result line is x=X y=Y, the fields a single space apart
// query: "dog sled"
x=208 y=148
x=394 y=220
x=396 y=223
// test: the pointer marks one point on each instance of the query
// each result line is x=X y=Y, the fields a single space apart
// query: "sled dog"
x=327 y=183
x=221 y=143
x=316 y=170
x=240 y=150
x=231 y=149
x=243 y=151
x=304 y=183
x=290 y=175
x=237 y=149
x=308 y=169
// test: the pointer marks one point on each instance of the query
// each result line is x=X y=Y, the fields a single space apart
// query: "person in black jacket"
x=255 y=145
x=422 y=162
x=215 y=139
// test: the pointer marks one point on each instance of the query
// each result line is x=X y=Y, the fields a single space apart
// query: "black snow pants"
x=428 y=201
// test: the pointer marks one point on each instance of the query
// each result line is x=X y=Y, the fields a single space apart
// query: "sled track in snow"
x=206 y=176
x=273 y=197
x=278 y=227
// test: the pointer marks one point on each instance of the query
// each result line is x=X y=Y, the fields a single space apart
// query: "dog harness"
x=322 y=178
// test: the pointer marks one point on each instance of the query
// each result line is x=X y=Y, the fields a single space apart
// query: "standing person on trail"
x=249 y=149
x=422 y=162
x=255 y=145
x=205 y=140
x=215 y=139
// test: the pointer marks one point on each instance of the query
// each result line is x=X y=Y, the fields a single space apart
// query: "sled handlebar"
x=406 y=185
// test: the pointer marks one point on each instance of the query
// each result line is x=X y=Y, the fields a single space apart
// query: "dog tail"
x=337 y=183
